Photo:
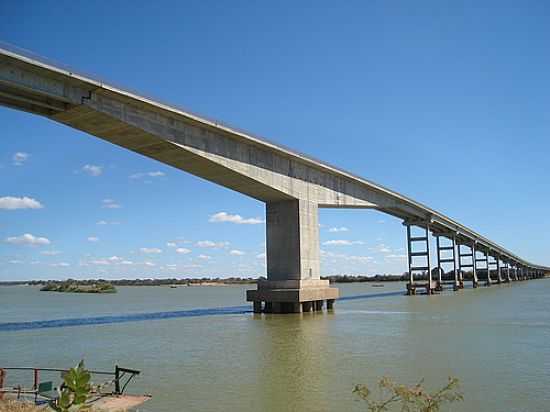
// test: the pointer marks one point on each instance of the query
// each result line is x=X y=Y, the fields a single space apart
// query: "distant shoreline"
x=195 y=282
x=192 y=282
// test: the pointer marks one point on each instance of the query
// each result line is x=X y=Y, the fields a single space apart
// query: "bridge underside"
x=292 y=186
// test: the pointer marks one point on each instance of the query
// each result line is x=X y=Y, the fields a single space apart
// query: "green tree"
x=409 y=398
x=74 y=391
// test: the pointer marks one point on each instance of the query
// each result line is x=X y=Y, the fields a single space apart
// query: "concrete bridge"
x=292 y=185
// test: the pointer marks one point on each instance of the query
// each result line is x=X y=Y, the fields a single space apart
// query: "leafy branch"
x=409 y=398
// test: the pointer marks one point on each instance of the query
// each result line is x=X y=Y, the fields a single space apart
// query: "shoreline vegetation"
x=106 y=286
x=109 y=286
x=75 y=286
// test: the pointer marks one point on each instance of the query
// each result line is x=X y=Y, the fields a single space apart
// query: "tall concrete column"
x=292 y=240
x=293 y=261
x=475 y=280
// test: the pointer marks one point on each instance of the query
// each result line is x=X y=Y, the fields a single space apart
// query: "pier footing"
x=292 y=296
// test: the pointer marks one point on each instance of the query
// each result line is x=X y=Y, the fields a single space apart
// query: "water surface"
x=496 y=340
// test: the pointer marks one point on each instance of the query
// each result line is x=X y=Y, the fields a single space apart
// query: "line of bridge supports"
x=458 y=258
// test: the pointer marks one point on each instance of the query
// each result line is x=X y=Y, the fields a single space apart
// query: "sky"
x=445 y=102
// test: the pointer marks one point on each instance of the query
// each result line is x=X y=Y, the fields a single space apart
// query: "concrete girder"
x=290 y=177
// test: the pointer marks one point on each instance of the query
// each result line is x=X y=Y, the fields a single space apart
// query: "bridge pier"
x=499 y=270
x=507 y=279
x=447 y=255
x=475 y=280
x=293 y=282
x=485 y=260
x=424 y=254
x=471 y=257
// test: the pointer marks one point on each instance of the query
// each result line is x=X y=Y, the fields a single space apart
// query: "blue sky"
x=446 y=102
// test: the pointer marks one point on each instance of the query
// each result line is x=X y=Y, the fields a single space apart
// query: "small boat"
x=107 y=396
x=173 y=286
x=377 y=285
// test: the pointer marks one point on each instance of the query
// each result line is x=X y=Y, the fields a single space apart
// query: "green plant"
x=74 y=391
x=409 y=398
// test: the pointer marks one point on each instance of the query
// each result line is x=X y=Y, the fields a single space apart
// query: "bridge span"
x=293 y=186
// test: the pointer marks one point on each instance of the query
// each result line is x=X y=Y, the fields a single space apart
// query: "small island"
x=70 y=286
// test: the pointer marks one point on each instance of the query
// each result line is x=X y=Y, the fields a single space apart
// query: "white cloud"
x=149 y=263
x=150 y=250
x=359 y=258
x=113 y=260
x=394 y=256
x=236 y=252
x=20 y=158
x=50 y=252
x=260 y=256
x=28 y=239
x=171 y=244
x=13 y=203
x=338 y=229
x=211 y=244
x=183 y=250
x=101 y=262
x=110 y=204
x=15 y=262
x=147 y=174
x=105 y=222
x=353 y=258
x=92 y=170
x=342 y=242
x=382 y=248
x=60 y=264
x=237 y=219
x=93 y=239
x=205 y=257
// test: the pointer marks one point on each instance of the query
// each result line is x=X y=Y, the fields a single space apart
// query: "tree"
x=409 y=398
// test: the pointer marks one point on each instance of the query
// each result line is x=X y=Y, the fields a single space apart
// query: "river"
x=495 y=340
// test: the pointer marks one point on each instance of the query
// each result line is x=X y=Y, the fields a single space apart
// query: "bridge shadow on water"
x=137 y=317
